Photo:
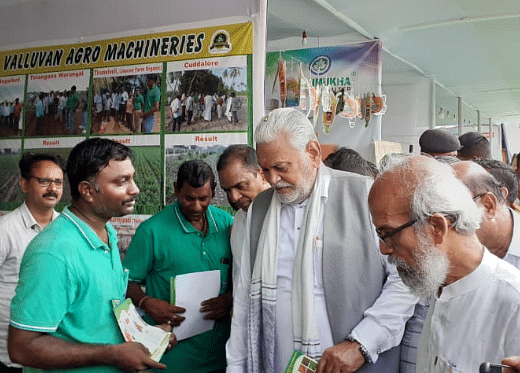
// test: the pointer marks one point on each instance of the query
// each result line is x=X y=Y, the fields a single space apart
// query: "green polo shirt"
x=153 y=96
x=167 y=245
x=72 y=101
x=68 y=278
x=138 y=102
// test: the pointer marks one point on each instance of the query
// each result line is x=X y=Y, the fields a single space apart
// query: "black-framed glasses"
x=385 y=237
x=43 y=182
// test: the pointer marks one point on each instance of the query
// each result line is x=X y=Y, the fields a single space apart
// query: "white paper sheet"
x=191 y=290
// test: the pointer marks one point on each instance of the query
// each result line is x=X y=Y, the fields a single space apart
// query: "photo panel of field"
x=147 y=164
x=206 y=147
x=125 y=227
x=11 y=105
x=57 y=104
x=10 y=154
x=207 y=87
x=120 y=97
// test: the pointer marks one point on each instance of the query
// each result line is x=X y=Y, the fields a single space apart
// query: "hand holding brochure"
x=189 y=291
x=301 y=363
x=135 y=329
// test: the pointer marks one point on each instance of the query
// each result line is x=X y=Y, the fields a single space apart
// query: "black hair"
x=196 y=173
x=504 y=174
x=346 y=159
x=245 y=154
x=28 y=161
x=89 y=157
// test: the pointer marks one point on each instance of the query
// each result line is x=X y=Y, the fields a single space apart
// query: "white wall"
x=409 y=113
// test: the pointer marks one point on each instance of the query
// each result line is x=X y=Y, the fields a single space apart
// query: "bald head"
x=478 y=180
x=496 y=228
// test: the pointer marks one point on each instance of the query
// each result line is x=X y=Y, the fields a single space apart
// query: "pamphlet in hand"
x=189 y=291
x=135 y=329
x=301 y=363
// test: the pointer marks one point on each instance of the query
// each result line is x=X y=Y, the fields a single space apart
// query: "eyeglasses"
x=43 y=182
x=385 y=237
x=479 y=196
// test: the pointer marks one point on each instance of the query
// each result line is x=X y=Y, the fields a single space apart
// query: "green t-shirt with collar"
x=153 y=96
x=167 y=245
x=68 y=279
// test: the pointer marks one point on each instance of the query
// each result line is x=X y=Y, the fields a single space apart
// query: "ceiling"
x=470 y=47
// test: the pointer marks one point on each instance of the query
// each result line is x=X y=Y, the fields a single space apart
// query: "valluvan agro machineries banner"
x=338 y=88
x=228 y=40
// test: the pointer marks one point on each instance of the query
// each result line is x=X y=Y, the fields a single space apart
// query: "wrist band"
x=362 y=348
x=142 y=300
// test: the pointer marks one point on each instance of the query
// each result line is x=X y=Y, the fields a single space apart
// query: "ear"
x=314 y=150
x=505 y=192
x=85 y=190
x=490 y=204
x=440 y=226
x=24 y=184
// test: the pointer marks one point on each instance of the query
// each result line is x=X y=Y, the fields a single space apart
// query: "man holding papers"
x=186 y=237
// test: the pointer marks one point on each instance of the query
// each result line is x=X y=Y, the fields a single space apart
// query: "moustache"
x=282 y=184
x=50 y=194
x=129 y=200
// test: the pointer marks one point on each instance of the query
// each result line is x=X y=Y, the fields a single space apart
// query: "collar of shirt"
x=88 y=233
x=29 y=221
x=188 y=227
x=478 y=278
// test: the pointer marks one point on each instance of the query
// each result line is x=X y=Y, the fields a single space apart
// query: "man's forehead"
x=235 y=173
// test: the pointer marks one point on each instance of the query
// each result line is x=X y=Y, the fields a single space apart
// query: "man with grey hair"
x=426 y=220
x=319 y=285
x=500 y=227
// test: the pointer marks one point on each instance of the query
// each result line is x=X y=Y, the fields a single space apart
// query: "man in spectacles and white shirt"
x=42 y=183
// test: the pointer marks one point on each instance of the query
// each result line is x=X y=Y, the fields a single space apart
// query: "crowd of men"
x=413 y=267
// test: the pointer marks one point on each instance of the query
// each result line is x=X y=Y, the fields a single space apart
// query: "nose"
x=234 y=195
x=134 y=189
x=272 y=177
x=384 y=248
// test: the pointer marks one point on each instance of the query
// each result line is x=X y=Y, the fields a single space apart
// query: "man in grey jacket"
x=319 y=284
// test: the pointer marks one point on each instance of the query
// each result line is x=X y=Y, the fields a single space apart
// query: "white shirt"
x=513 y=252
x=17 y=229
x=237 y=243
x=476 y=319
x=176 y=108
x=394 y=305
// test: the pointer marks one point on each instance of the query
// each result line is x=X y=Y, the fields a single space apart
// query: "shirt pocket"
x=443 y=365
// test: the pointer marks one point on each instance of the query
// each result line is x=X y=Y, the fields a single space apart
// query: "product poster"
x=12 y=106
x=337 y=88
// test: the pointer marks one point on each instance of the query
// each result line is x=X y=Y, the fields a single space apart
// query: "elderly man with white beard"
x=426 y=221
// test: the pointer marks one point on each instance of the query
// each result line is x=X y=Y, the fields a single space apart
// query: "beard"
x=299 y=192
x=431 y=271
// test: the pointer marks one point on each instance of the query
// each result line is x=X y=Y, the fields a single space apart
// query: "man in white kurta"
x=427 y=221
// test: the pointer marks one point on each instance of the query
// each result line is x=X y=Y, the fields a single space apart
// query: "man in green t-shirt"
x=185 y=237
x=62 y=319
x=151 y=104
x=71 y=105
x=138 y=109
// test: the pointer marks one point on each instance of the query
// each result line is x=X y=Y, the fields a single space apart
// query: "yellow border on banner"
x=205 y=42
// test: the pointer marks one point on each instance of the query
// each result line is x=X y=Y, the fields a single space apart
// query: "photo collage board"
x=166 y=96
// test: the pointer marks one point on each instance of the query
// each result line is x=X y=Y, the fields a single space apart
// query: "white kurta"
x=475 y=319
